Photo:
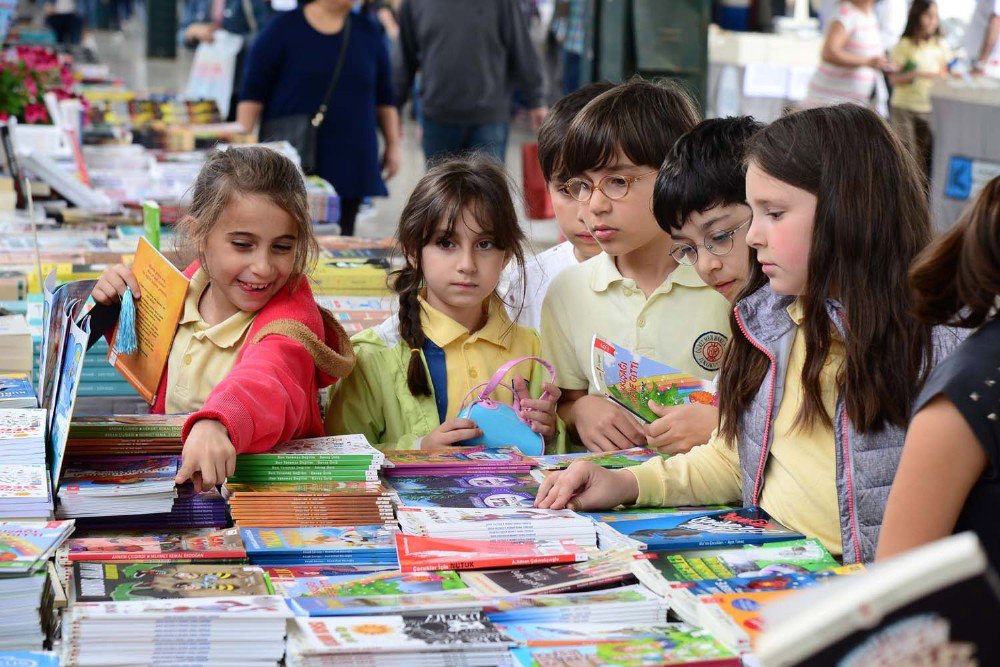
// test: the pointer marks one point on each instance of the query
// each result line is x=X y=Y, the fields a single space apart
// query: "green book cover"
x=788 y=557
x=151 y=222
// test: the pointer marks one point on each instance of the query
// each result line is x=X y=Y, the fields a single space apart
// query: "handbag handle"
x=317 y=120
x=498 y=377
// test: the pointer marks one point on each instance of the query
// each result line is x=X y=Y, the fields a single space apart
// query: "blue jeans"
x=442 y=139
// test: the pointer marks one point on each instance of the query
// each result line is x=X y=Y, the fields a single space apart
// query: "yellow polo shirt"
x=472 y=358
x=927 y=56
x=799 y=488
x=684 y=323
x=201 y=355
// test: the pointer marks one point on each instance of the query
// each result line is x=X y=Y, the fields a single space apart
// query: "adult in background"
x=289 y=69
x=982 y=39
x=470 y=56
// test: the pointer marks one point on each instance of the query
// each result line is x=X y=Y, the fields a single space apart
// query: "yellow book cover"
x=162 y=289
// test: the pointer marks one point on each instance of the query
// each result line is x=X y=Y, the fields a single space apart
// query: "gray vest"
x=866 y=462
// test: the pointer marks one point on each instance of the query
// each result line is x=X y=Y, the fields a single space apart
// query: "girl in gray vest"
x=816 y=393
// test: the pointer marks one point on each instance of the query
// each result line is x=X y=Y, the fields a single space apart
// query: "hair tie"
x=414 y=350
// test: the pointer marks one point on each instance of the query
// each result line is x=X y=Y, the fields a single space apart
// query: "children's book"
x=937 y=604
x=21 y=429
x=631 y=380
x=310 y=546
x=61 y=306
x=416 y=603
x=16 y=391
x=331 y=449
x=128 y=612
x=120 y=475
x=26 y=545
x=607 y=568
x=736 y=619
x=747 y=525
x=624 y=458
x=24 y=491
x=71 y=365
x=204 y=544
x=127 y=427
x=474 y=460
x=418 y=554
x=500 y=523
x=163 y=289
x=677 y=647
x=582 y=634
x=625 y=605
x=106 y=582
x=480 y=490
x=388 y=582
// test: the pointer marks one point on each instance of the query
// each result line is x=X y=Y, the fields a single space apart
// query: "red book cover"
x=423 y=554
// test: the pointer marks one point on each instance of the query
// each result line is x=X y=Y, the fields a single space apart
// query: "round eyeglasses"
x=614 y=186
x=717 y=243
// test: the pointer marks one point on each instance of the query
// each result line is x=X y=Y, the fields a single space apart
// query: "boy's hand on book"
x=586 y=487
x=451 y=433
x=111 y=286
x=602 y=426
x=208 y=457
x=680 y=428
x=541 y=412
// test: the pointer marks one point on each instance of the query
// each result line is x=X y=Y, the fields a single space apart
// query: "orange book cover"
x=162 y=289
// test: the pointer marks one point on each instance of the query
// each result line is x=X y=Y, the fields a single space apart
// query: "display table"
x=758 y=74
x=966 y=123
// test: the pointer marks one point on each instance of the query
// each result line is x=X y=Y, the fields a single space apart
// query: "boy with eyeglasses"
x=633 y=294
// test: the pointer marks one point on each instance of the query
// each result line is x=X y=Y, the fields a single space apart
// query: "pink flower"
x=31 y=87
x=35 y=114
x=4 y=117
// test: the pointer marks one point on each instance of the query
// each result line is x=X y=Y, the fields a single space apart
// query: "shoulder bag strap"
x=321 y=114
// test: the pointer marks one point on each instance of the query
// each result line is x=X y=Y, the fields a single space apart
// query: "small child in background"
x=922 y=56
x=458 y=231
x=579 y=244
x=252 y=348
x=949 y=475
x=632 y=294
x=851 y=59
x=700 y=200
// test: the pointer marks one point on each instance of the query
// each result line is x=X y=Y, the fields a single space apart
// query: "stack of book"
x=190 y=510
x=231 y=632
x=24 y=581
x=338 y=458
x=123 y=435
x=422 y=554
x=118 y=582
x=357 y=313
x=604 y=569
x=475 y=490
x=337 y=277
x=22 y=435
x=349 y=545
x=403 y=641
x=467 y=461
x=632 y=605
x=16 y=391
x=311 y=504
x=119 y=485
x=25 y=486
x=502 y=524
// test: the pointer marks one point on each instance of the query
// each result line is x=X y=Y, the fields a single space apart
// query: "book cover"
x=332 y=448
x=785 y=557
x=500 y=456
x=582 y=634
x=71 y=365
x=386 y=604
x=20 y=425
x=163 y=289
x=458 y=497
x=611 y=567
x=625 y=458
x=106 y=582
x=23 y=483
x=201 y=544
x=25 y=545
x=60 y=306
x=114 y=475
x=252 y=607
x=736 y=618
x=389 y=582
x=418 y=554
x=695 y=648
x=363 y=634
x=16 y=391
x=632 y=380
x=747 y=525
x=294 y=541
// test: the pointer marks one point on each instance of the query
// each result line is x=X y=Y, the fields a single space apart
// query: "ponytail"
x=408 y=286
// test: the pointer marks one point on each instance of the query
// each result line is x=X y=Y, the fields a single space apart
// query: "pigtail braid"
x=408 y=286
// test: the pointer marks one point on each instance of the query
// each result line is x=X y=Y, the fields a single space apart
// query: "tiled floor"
x=124 y=52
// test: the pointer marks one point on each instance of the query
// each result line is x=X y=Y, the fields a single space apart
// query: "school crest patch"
x=707 y=350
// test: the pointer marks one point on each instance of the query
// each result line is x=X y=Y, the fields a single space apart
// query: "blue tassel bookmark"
x=126 y=341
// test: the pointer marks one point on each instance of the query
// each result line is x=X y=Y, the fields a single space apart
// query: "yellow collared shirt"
x=202 y=354
x=472 y=358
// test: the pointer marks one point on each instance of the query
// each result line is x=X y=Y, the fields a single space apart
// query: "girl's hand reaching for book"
x=587 y=487
x=111 y=286
x=208 y=457
x=449 y=434
x=541 y=412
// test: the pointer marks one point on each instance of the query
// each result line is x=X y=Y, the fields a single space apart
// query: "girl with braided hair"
x=457 y=233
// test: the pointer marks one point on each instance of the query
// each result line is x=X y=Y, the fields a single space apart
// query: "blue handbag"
x=501 y=424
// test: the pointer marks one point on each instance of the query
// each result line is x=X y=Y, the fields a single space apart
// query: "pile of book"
x=357 y=313
x=119 y=582
x=25 y=488
x=338 y=458
x=396 y=640
x=230 y=632
x=348 y=545
x=24 y=581
x=16 y=391
x=314 y=504
x=486 y=489
x=502 y=523
x=118 y=485
x=467 y=461
x=124 y=435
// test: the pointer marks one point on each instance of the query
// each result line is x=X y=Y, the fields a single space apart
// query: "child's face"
x=622 y=225
x=461 y=269
x=929 y=20
x=720 y=227
x=249 y=254
x=781 y=231
x=571 y=223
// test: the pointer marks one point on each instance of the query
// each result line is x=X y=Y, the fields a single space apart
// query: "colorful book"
x=119 y=475
x=419 y=554
x=747 y=525
x=632 y=380
x=417 y=603
x=358 y=584
x=163 y=289
x=331 y=449
x=309 y=546
x=765 y=560
x=625 y=458
x=500 y=523
x=16 y=391
x=204 y=544
x=26 y=545
x=68 y=375
x=475 y=460
x=479 y=490
x=127 y=427
x=611 y=567
x=633 y=605
x=736 y=619
x=24 y=491
x=106 y=582
x=689 y=647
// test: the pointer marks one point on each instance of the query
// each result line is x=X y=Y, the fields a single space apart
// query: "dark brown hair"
x=250 y=171
x=474 y=186
x=956 y=279
x=917 y=9
x=871 y=221
x=552 y=133
x=640 y=119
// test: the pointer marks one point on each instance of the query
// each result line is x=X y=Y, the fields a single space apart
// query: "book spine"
x=170 y=556
x=476 y=563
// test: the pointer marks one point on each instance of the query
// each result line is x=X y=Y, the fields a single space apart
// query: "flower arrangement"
x=26 y=74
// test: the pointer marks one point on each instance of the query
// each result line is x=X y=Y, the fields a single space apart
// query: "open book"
x=631 y=380
x=163 y=289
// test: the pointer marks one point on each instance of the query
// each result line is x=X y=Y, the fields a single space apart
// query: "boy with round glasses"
x=632 y=294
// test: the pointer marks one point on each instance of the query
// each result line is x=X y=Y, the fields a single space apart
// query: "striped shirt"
x=832 y=84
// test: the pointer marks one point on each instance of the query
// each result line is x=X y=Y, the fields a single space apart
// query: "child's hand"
x=450 y=433
x=208 y=457
x=111 y=286
x=586 y=487
x=681 y=427
x=541 y=412
x=604 y=427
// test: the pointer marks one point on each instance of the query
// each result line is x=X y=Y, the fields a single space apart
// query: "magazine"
x=389 y=582
x=204 y=544
x=418 y=554
x=414 y=603
x=100 y=582
x=747 y=525
x=631 y=380
x=606 y=568
x=625 y=458
x=26 y=545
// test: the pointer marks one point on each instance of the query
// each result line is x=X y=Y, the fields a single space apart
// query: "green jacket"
x=374 y=399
